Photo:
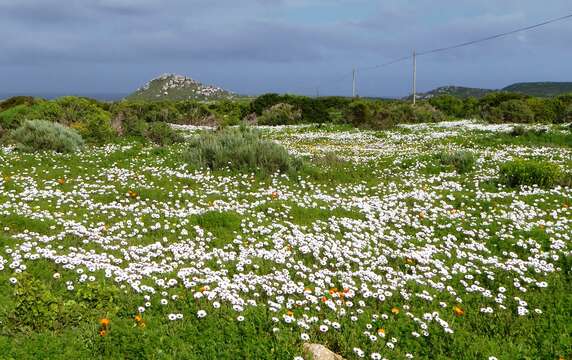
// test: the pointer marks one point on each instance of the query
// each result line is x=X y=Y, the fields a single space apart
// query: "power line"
x=496 y=36
x=456 y=46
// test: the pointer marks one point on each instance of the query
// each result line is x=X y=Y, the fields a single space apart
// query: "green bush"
x=518 y=131
x=239 y=149
x=566 y=115
x=34 y=135
x=360 y=113
x=96 y=128
x=450 y=105
x=15 y=101
x=512 y=111
x=12 y=118
x=162 y=134
x=529 y=172
x=461 y=161
x=280 y=114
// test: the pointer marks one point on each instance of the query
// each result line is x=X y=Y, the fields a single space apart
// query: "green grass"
x=420 y=192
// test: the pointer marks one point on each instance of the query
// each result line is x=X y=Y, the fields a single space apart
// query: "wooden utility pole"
x=354 y=83
x=414 y=77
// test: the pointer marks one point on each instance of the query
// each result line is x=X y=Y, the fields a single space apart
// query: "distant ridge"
x=178 y=87
x=541 y=89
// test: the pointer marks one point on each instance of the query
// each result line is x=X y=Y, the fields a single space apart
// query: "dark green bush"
x=449 y=105
x=162 y=134
x=239 y=149
x=360 y=113
x=96 y=128
x=518 y=131
x=34 y=135
x=280 y=114
x=461 y=161
x=566 y=116
x=529 y=172
x=512 y=111
x=15 y=101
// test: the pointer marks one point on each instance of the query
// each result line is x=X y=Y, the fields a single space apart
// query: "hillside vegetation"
x=177 y=87
x=542 y=89
x=539 y=89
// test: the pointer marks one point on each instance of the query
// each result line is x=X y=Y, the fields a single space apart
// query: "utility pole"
x=414 y=77
x=354 y=83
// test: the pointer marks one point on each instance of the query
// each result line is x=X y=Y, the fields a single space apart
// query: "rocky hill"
x=178 y=87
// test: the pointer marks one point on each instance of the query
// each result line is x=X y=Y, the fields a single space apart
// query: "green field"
x=397 y=244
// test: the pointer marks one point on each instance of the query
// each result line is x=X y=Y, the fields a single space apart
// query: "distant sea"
x=96 y=96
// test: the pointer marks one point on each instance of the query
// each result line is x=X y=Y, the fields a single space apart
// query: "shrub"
x=15 y=101
x=162 y=134
x=461 y=161
x=360 y=113
x=566 y=115
x=529 y=172
x=518 y=131
x=36 y=135
x=280 y=114
x=96 y=128
x=239 y=149
x=544 y=110
x=12 y=118
x=448 y=104
x=516 y=111
x=133 y=126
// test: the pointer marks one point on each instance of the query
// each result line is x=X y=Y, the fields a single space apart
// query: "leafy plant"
x=461 y=161
x=280 y=114
x=162 y=134
x=38 y=308
x=240 y=149
x=529 y=172
x=36 y=135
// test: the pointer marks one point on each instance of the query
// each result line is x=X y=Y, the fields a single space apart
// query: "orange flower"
x=274 y=194
x=421 y=215
x=102 y=332
x=104 y=323
x=458 y=311
x=290 y=313
x=381 y=331
x=346 y=290
x=132 y=194
x=61 y=181
x=324 y=299
x=395 y=310
x=307 y=290
x=138 y=318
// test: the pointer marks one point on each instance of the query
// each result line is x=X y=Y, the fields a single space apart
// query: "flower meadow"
x=379 y=251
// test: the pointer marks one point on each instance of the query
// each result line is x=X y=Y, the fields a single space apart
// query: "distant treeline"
x=98 y=122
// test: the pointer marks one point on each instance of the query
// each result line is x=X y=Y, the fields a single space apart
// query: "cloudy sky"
x=257 y=46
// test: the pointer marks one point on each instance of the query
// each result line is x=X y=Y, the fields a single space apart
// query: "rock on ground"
x=319 y=352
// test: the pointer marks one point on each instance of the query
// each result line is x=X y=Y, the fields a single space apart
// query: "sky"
x=259 y=46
